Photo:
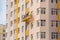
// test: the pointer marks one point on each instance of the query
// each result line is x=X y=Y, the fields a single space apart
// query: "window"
x=15 y=12
x=11 y=4
x=54 y=35
x=31 y=36
x=54 y=11
x=22 y=0
x=11 y=14
x=6 y=25
x=27 y=5
x=6 y=6
x=3 y=35
x=41 y=22
x=43 y=34
x=38 y=11
x=11 y=23
x=3 y=38
x=56 y=1
x=27 y=27
x=6 y=16
x=18 y=19
x=43 y=10
x=18 y=38
x=22 y=7
x=18 y=30
x=38 y=23
x=14 y=21
x=42 y=0
x=22 y=38
x=59 y=35
x=6 y=34
x=11 y=33
x=51 y=1
x=15 y=1
x=31 y=25
x=14 y=31
x=54 y=23
x=38 y=1
x=31 y=2
x=22 y=28
x=18 y=9
x=3 y=30
x=27 y=37
x=38 y=34
x=14 y=39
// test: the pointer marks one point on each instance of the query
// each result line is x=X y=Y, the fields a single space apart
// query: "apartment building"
x=2 y=32
x=37 y=19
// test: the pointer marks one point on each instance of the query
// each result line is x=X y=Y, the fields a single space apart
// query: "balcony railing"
x=26 y=17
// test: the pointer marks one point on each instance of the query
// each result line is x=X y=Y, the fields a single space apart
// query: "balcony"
x=59 y=5
x=59 y=17
x=58 y=28
x=27 y=1
x=27 y=32
x=26 y=18
x=27 y=10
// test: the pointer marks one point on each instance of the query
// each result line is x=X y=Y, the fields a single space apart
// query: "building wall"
x=48 y=16
x=2 y=32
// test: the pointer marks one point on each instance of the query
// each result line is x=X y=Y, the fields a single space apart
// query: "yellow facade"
x=59 y=5
x=59 y=29
x=58 y=20
x=27 y=1
x=27 y=10
x=27 y=33
x=58 y=16
x=16 y=19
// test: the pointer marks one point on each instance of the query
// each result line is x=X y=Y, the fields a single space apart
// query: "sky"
x=2 y=12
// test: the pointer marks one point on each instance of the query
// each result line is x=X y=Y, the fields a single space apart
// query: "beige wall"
x=48 y=17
